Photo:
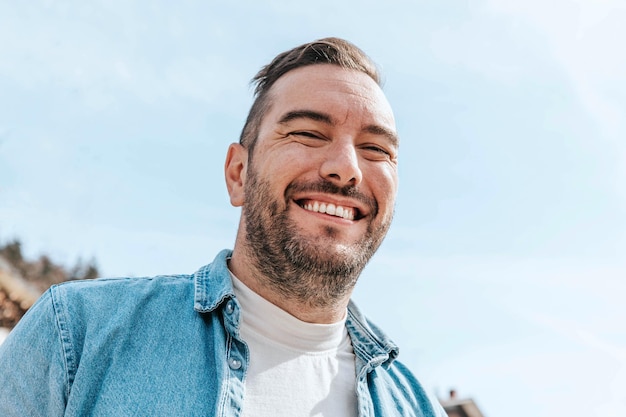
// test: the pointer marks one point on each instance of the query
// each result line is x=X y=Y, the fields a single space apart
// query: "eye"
x=377 y=149
x=306 y=135
x=308 y=138
x=376 y=152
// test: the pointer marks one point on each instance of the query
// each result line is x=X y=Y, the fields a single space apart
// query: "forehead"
x=342 y=93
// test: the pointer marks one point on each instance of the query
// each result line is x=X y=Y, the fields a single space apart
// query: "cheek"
x=281 y=172
x=291 y=163
x=384 y=183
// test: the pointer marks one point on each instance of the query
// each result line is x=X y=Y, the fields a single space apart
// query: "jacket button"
x=234 y=363
x=230 y=307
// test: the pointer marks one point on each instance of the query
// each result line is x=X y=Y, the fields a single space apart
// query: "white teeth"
x=330 y=209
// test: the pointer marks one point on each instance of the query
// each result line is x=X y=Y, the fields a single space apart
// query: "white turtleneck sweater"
x=296 y=368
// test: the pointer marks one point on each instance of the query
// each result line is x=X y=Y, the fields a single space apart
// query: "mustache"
x=327 y=187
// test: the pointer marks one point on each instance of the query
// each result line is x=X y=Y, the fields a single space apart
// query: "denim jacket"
x=165 y=346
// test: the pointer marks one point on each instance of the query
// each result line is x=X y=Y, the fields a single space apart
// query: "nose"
x=341 y=165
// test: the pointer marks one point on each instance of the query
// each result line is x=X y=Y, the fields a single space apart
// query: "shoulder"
x=396 y=387
x=118 y=289
x=90 y=304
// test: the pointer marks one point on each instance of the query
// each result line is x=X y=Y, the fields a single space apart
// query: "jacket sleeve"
x=33 y=367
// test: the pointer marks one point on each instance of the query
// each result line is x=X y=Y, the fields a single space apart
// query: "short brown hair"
x=333 y=51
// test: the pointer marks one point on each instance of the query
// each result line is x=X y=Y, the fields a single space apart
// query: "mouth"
x=347 y=213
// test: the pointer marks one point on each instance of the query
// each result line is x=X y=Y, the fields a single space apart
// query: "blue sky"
x=504 y=273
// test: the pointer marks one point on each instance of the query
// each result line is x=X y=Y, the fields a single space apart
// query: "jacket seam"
x=64 y=339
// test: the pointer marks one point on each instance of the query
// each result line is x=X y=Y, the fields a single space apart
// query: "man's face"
x=321 y=184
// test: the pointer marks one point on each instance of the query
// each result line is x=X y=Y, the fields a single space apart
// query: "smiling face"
x=318 y=191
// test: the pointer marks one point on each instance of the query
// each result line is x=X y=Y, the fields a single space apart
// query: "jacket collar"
x=369 y=342
x=371 y=345
x=213 y=284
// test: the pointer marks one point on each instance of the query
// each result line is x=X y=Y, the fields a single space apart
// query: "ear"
x=235 y=169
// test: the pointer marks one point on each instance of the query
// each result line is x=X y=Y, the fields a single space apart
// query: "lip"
x=327 y=217
x=360 y=210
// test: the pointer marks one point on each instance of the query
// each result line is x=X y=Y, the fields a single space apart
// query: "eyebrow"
x=325 y=118
x=391 y=136
x=306 y=114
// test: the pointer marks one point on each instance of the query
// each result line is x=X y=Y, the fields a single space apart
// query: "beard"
x=314 y=270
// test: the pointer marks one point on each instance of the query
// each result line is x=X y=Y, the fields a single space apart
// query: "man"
x=267 y=329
